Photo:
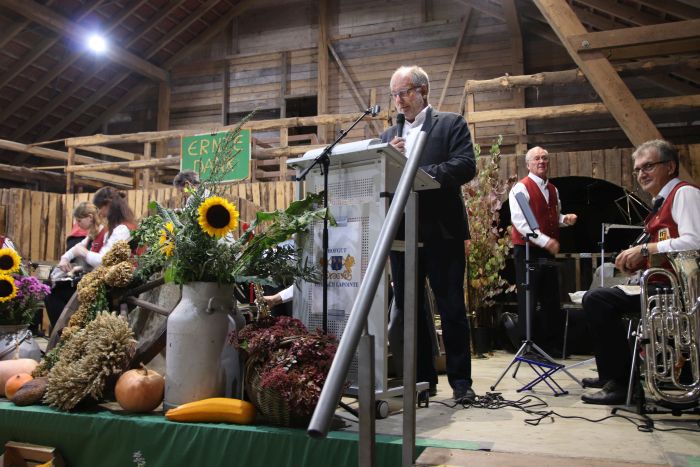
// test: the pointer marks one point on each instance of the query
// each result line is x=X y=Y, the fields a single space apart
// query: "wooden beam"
x=208 y=34
x=27 y=175
x=674 y=8
x=455 y=55
x=483 y=6
x=575 y=110
x=688 y=46
x=85 y=77
x=576 y=75
x=48 y=18
x=43 y=152
x=257 y=125
x=129 y=156
x=639 y=35
x=600 y=73
x=137 y=164
x=623 y=12
x=69 y=176
x=322 y=66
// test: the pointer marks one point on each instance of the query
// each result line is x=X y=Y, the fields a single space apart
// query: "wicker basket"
x=268 y=402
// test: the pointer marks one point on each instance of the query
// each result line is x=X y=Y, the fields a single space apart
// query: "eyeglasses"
x=401 y=93
x=648 y=167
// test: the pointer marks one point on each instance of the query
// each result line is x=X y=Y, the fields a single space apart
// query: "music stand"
x=529 y=352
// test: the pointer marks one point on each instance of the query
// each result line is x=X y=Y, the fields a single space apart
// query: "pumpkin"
x=9 y=368
x=140 y=390
x=15 y=382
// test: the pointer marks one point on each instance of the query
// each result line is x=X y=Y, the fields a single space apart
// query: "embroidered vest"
x=547 y=214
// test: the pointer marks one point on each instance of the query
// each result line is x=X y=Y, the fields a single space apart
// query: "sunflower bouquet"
x=20 y=295
x=197 y=242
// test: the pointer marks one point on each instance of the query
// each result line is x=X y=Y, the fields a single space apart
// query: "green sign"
x=198 y=154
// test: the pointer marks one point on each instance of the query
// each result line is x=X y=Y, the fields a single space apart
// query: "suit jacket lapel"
x=432 y=117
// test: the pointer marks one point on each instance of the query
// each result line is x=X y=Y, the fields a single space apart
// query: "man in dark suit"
x=448 y=156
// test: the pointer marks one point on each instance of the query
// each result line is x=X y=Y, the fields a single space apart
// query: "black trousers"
x=547 y=319
x=444 y=264
x=603 y=310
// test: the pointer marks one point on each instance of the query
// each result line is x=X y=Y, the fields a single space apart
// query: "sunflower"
x=217 y=216
x=165 y=241
x=9 y=261
x=8 y=289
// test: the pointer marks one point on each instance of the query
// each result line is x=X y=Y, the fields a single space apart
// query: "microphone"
x=400 y=120
x=374 y=110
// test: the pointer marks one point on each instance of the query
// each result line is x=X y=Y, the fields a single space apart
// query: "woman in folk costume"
x=112 y=206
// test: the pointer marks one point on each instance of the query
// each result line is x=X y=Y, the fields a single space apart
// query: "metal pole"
x=366 y=398
x=410 y=318
x=332 y=389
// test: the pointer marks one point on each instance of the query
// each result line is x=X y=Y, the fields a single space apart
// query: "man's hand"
x=570 y=219
x=399 y=144
x=273 y=300
x=630 y=260
x=552 y=246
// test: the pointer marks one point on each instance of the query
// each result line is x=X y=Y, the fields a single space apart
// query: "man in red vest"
x=547 y=322
x=672 y=225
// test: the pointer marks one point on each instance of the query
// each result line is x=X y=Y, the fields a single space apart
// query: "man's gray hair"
x=665 y=150
x=185 y=177
x=418 y=75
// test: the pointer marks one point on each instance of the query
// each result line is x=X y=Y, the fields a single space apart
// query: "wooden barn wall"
x=371 y=40
x=38 y=222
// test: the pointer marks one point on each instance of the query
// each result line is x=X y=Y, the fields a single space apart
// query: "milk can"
x=197 y=345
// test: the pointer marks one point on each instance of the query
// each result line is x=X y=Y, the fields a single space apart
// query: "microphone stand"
x=324 y=161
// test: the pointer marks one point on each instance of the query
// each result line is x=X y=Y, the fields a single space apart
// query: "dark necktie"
x=657 y=204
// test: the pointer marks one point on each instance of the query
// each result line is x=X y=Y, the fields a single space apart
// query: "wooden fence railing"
x=38 y=222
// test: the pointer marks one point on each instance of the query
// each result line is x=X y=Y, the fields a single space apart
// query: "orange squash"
x=15 y=382
x=9 y=368
x=140 y=390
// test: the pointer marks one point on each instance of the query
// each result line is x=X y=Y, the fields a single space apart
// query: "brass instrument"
x=670 y=328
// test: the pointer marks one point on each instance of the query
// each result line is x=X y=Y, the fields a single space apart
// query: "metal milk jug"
x=196 y=336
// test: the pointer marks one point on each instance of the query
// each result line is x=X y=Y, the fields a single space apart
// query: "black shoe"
x=432 y=390
x=612 y=393
x=593 y=382
x=463 y=393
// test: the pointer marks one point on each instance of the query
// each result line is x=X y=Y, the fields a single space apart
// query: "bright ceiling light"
x=97 y=43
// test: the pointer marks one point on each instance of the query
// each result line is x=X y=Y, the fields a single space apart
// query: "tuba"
x=670 y=327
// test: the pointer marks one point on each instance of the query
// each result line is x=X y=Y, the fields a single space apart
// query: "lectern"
x=362 y=178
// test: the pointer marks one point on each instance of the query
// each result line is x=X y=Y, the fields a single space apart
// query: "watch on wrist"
x=645 y=250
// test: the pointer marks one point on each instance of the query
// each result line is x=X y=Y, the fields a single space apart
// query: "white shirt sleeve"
x=69 y=255
x=686 y=213
x=120 y=232
x=517 y=218
x=287 y=294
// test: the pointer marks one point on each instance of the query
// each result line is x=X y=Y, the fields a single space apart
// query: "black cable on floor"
x=528 y=404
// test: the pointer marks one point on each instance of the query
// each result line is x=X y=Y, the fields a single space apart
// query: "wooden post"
x=511 y=15
x=146 y=180
x=455 y=55
x=69 y=175
x=163 y=121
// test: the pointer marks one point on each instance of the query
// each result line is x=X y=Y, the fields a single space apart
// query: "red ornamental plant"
x=290 y=361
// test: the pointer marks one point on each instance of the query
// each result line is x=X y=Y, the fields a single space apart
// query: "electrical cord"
x=533 y=405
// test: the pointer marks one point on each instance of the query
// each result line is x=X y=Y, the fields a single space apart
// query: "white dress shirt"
x=686 y=214
x=411 y=130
